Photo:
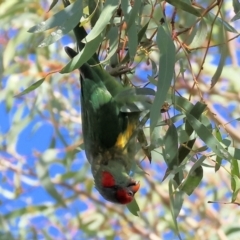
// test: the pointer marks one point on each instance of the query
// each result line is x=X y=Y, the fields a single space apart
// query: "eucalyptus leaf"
x=54 y=2
x=235 y=187
x=207 y=137
x=31 y=88
x=194 y=177
x=108 y=10
x=82 y=57
x=60 y=18
x=131 y=30
x=166 y=70
x=176 y=201
x=185 y=7
x=134 y=208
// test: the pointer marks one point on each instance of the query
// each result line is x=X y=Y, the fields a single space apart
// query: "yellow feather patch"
x=124 y=137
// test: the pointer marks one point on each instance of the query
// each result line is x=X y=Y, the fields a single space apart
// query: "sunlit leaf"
x=31 y=88
x=218 y=159
x=54 y=2
x=131 y=25
x=12 y=45
x=185 y=7
x=166 y=68
x=133 y=207
x=235 y=152
x=113 y=42
x=236 y=6
x=184 y=150
x=60 y=18
x=171 y=147
x=200 y=36
x=82 y=57
x=70 y=22
x=106 y=15
x=235 y=187
x=236 y=17
x=207 y=137
x=176 y=201
x=194 y=177
x=223 y=49
x=140 y=35
x=220 y=22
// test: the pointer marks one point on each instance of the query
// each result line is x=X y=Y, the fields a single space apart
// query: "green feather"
x=96 y=93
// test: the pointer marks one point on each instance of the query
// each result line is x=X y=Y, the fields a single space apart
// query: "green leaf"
x=183 y=151
x=69 y=23
x=236 y=5
x=170 y=151
x=46 y=235
x=131 y=26
x=166 y=68
x=235 y=187
x=219 y=22
x=6 y=236
x=235 y=152
x=133 y=207
x=235 y=181
x=83 y=56
x=12 y=8
x=60 y=18
x=140 y=35
x=236 y=17
x=195 y=110
x=4 y=226
x=132 y=42
x=194 y=177
x=207 y=137
x=94 y=8
x=54 y=2
x=110 y=7
x=185 y=7
x=10 y=50
x=176 y=201
x=223 y=49
x=218 y=159
x=232 y=230
x=113 y=44
x=31 y=88
x=235 y=168
x=200 y=35
x=181 y=103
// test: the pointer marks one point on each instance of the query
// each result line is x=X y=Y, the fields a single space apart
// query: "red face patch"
x=107 y=179
x=123 y=196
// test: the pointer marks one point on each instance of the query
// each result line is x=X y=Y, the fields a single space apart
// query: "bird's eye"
x=130 y=193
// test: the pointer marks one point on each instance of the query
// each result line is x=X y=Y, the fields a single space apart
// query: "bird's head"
x=116 y=185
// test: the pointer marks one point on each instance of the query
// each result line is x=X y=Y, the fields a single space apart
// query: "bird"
x=109 y=128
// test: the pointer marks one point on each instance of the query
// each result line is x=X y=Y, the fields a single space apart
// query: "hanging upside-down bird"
x=109 y=130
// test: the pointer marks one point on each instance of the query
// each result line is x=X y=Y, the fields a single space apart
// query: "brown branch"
x=233 y=132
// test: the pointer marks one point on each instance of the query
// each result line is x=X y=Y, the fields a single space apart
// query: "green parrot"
x=109 y=127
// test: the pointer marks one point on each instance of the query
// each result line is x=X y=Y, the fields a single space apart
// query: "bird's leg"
x=119 y=70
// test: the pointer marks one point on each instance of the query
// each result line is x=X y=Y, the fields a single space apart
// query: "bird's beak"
x=134 y=186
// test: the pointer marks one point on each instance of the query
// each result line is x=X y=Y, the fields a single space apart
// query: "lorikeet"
x=109 y=130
